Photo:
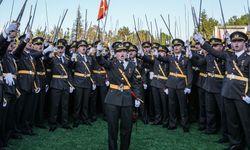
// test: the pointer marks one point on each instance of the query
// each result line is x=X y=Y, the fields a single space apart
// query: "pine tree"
x=77 y=30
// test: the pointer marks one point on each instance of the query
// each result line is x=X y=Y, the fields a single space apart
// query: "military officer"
x=235 y=87
x=119 y=102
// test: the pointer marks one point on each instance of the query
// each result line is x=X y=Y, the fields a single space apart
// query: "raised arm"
x=148 y=59
x=19 y=50
x=198 y=37
x=104 y=62
x=198 y=60
x=209 y=49
x=163 y=59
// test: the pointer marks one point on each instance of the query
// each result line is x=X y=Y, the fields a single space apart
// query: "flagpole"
x=105 y=22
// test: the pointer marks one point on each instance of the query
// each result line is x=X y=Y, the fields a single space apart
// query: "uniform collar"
x=238 y=54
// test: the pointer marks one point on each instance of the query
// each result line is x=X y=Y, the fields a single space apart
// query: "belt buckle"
x=61 y=76
x=175 y=74
x=232 y=76
x=157 y=77
x=30 y=72
x=121 y=87
x=212 y=75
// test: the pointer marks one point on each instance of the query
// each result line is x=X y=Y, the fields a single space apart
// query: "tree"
x=77 y=30
x=242 y=20
x=207 y=25
x=164 y=38
x=123 y=33
x=39 y=32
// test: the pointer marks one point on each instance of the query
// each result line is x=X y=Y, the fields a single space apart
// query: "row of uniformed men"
x=29 y=68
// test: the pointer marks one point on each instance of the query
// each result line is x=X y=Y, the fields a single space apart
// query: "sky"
x=122 y=11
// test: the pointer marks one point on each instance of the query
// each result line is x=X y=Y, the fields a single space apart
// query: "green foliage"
x=125 y=34
x=144 y=137
x=207 y=25
x=242 y=20
x=77 y=30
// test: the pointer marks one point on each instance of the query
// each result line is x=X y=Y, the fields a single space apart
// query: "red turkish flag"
x=103 y=9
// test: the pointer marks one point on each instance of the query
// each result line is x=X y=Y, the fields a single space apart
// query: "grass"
x=144 y=137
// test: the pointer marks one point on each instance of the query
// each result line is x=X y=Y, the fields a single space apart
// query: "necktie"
x=61 y=59
x=135 y=62
x=122 y=63
x=85 y=59
x=176 y=58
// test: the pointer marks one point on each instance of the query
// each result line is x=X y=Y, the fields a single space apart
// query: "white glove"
x=92 y=50
x=9 y=79
x=145 y=86
x=140 y=52
x=71 y=89
x=156 y=54
x=137 y=103
x=227 y=38
x=48 y=49
x=5 y=102
x=37 y=90
x=187 y=91
x=189 y=52
x=151 y=75
x=93 y=87
x=107 y=83
x=166 y=91
x=46 y=88
x=198 y=37
x=246 y=99
x=46 y=44
x=73 y=58
x=11 y=27
x=27 y=37
x=112 y=53
x=99 y=49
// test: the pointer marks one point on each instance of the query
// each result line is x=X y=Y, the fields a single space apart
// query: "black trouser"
x=214 y=102
x=98 y=97
x=25 y=110
x=150 y=99
x=145 y=110
x=58 y=97
x=39 y=119
x=202 y=107
x=160 y=105
x=81 y=104
x=3 y=118
x=11 y=114
x=193 y=104
x=238 y=121
x=177 y=96
x=114 y=114
x=47 y=104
